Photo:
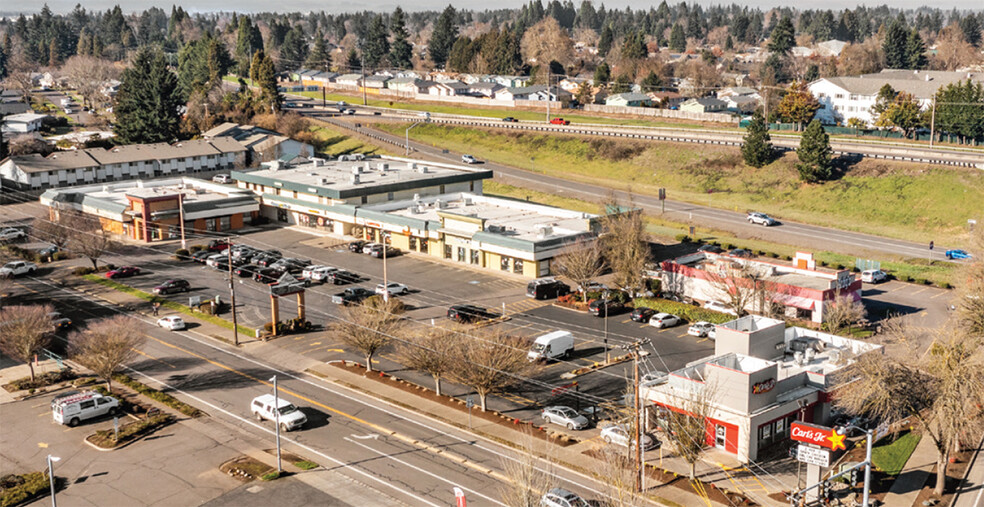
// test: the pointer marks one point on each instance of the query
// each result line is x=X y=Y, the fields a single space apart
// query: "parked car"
x=264 y=260
x=741 y=252
x=246 y=271
x=564 y=416
x=170 y=286
x=377 y=252
x=710 y=248
x=510 y=119
x=12 y=234
x=367 y=247
x=873 y=276
x=468 y=159
x=342 y=277
x=560 y=497
x=351 y=295
x=172 y=322
x=392 y=289
x=201 y=256
x=218 y=245
x=701 y=329
x=18 y=268
x=267 y=275
x=618 y=435
x=222 y=178
x=547 y=288
x=642 y=314
x=957 y=254
x=48 y=252
x=283 y=412
x=598 y=307
x=469 y=313
x=559 y=121
x=757 y=218
x=356 y=246
x=664 y=320
x=719 y=307
x=317 y=273
x=123 y=272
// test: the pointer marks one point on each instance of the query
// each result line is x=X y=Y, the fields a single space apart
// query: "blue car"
x=957 y=254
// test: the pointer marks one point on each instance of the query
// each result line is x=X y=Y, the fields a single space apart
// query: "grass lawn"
x=900 y=200
x=890 y=456
x=333 y=141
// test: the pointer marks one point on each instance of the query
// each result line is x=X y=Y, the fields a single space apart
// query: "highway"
x=807 y=235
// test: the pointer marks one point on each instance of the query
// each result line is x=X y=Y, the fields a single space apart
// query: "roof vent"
x=368 y=167
x=422 y=169
x=355 y=178
x=384 y=167
x=468 y=201
x=440 y=204
x=323 y=181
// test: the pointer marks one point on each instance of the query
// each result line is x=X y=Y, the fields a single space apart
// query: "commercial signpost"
x=816 y=444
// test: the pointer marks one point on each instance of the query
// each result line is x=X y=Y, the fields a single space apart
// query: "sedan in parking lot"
x=342 y=277
x=317 y=273
x=701 y=329
x=873 y=276
x=267 y=275
x=392 y=288
x=356 y=246
x=565 y=416
x=172 y=286
x=603 y=308
x=201 y=256
x=123 y=272
x=617 y=434
x=664 y=320
x=368 y=247
x=246 y=271
x=469 y=313
x=642 y=314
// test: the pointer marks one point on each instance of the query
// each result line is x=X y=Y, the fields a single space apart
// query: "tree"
x=529 y=475
x=678 y=41
x=686 y=427
x=248 y=42
x=971 y=29
x=443 y=37
x=370 y=326
x=319 y=58
x=894 y=45
x=757 y=146
x=546 y=41
x=25 y=331
x=294 y=50
x=884 y=99
x=941 y=387
x=904 y=113
x=617 y=472
x=605 y=40
x=105 y=345
x=148 y=101
x=915 y=51
x=87 y=74
x=201 y=65
x=491 y=361
x=264 y=74
x=602 y=74
x=814 y=154
x=622 y=84
x=431 y=350
x=88 y=239
x=952 y=51
x=960 y=109
x=462 y=55
x=738 y=285
x=401 y=52
x=56 y=231
x=353 y=61
x=783 y=37
x=581 y=261
x=651 y=82
x=843 y=311
x=625 y=244
x=376 y=47
x=798 y=105
x=634 y=46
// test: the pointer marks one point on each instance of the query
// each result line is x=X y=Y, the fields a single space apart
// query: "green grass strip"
x=892 y=456
x=178 y=307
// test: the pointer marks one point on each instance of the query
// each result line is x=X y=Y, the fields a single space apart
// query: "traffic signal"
x=854 y=476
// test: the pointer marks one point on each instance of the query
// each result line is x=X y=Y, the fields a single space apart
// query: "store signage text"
x=764 y=386
x=819 y=435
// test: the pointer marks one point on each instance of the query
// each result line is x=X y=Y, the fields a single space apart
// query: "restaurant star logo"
x=836 y=440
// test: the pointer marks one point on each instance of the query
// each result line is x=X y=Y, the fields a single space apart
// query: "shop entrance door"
x=720 y=432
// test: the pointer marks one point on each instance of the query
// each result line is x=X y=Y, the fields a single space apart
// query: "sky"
x=338 y=6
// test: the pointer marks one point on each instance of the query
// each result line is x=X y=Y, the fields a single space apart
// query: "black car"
x=221 y=264
x=246 y=271
x=342 y=277
x=741 y=252
x=642 y=314
x=201 y=255
x=597 y=307
x=264 y=260
x=356 y=246
x=547 y=288
x=377 y=251
x=49 y=252
x=469 y=313
x=267 y=275
x=509 y=119
x=352 y=295
x=172 y=286
x=710 y=248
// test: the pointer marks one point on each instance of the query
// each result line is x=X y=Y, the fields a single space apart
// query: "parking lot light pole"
x=386 y=290
x=232 y=301
x=276 y=410
x=51 y=478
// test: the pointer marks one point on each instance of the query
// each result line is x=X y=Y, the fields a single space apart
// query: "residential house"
x=448 y=89
x=263 y=144
x=732 y=91
x=535 y=93
x=23 y=123
x=630 y=99
x=832 y=47
x=801 y=52
x=110 y=88
x=703 y=105
x=667 y=100
x=512 y=81
x=573 y=85
x=376 y=82
x=483 y=89
x=349 y=80
x=319 y=79
x=406 y=85
x=743 y=104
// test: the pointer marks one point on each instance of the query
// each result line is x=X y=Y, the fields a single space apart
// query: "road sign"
x=882 y=431
x=818 y=435
x=813 y=456
x=469 y=403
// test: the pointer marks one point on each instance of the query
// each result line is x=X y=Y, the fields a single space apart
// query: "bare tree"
x=739 y=286
x=625 y=244
x=25 y=331
x=491 y=361
x=942 y=388
x=617 y=471
x=54 y=230
x=430 y=350
x=20 y=76
x=843 y=311
x=105 y=345
x=370 y=326
x=687 y=428
x=581 y=261
x=530 y=476
x=5 y=285
x=547 y=41
x=88 y=238
x=27 y=144
x=88 y=74
x=970 y=297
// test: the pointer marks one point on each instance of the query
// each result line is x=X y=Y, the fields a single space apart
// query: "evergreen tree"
x=783 y=37
x=264 y=75
x=623 y=84
x=352 y=61
x=915 y=51
x=634 y=46
x=376 y=44
x=886 y=95
x=695 y=29
x=960 y=109
x=201 y=65
x=401 y=52
x=757 y=148
x=248 y=42
x=294 y=50
x=729 y=43
x=148 y=100
x=461 y=55
x=812 y=73
x=814 y=154
x=971 y=29
x=444 y=36
x=895 y=46
x=3 y=62
x=678 y=41
x=605 y=40
x=603 y=73
x=319 y=58
x=84 y=46
x=651 y=82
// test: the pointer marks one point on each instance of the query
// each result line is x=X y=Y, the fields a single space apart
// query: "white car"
x=559 y=497
x=317 y=273
x=367 y=248
x=664 y=320
x=760 y=219
x=349 y=111
x=719 y=307
x=18 y=268
x=702 y=329
x=618 y=435
x=222 y=178
x=214 y=259
x=392 y=288
x=172 y=322
x=468 y=159
x=873 y=276
x=565 y=416
x=12 y=234
x=290 y=416
x=342 y=103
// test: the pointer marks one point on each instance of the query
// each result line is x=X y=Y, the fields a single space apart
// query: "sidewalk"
x=913 y=477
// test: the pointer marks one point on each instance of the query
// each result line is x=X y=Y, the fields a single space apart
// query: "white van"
x=290 y=417
x=558 y=344
x=73 y=409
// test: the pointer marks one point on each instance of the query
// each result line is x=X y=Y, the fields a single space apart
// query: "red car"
x=123 y=272
x=218 y=245
x=559 y=121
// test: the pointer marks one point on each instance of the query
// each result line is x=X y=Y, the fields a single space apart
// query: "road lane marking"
x=142 y=353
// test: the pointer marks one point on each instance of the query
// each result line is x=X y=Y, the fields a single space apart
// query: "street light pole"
x=232 y=300
x=386 y=290
x=276 y=410
x=408 y=137
x=51 y=479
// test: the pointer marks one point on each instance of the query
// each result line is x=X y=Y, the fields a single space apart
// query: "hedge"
x=683 y=238
x=35 y=484
x=156 y=395
x=689 y=312
x=131 y=431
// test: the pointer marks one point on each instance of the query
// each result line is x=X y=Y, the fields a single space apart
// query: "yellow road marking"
x=39 y=405
x=643 y=326
x=943 y=292
x=42 y=445
x=335 y=350
x=142 y=353
x=315 y=344
x=920 y=290
x=626 y=321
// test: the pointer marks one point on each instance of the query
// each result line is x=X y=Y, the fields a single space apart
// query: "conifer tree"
x=678 y=41
x=319 y=58
x=757 y=148
x=148 y=100
x=294 y=50
x=783 y=36
x=895 y=46
x=915 y=51
x=248 y=42
x=376 y=45
x=401 y=53
x=444 y=36
x=352 y=61
x=605 y=40
x=264 y=75
x=814 y=154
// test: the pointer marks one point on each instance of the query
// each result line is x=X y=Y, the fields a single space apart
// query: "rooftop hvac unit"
x=422 y=169
x=355 y=178
x=412 y=166
x=368 y=167
x=835 y=356
x=543 y=230
x=809 y=354
x=384 y=167
x=416 y=197
x=468 y=201
x=798 y=357
x=323 y=181
x=496 y=228
x=318 y=162
x=440 y=204
x=415 y=209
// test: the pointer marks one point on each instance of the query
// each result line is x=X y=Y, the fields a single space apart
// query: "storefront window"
x=518 y=266
x=281 y=215
x=447 y=251
x=210 y=224
x=461 y=254
x=423 y=245
x=475 y=256
x=226 y=223
x=504 y=264
x=413 y=243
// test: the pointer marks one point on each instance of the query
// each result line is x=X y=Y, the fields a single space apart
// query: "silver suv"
x=760 y=219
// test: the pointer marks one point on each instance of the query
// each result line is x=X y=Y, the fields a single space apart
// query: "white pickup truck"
x=18 y=268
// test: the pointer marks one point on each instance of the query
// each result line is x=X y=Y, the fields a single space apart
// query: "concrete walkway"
x=914 y=475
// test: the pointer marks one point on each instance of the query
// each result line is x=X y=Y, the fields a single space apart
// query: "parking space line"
x=942 y=292
x=920 y=290
x=626 y=321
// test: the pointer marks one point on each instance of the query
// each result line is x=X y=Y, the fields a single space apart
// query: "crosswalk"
x=525 y=305
x=745 y=481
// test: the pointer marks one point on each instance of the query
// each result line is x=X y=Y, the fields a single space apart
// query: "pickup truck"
x=351 y=295
x=17 y=268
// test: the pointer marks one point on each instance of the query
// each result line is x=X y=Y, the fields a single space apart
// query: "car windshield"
x=10 y=265
x=538 y=347
x=567 y=412
x=286 y=409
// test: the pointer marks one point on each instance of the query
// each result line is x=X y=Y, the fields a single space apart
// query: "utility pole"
x=386 y=291
x=232 y=300
x=638 y=416
x=548 y=94
x=181 y=217
x=932 y=124
x=276 y=411
x=362 y=67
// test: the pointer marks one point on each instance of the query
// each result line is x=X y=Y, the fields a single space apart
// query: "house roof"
x=741 y=99
x=227 y=145
x=707 y=102
x=60 y=160
x=220 y=130
x=922 y=84
x=124 y=154
x=23 y=118
x=629 y=97
x=349 y=77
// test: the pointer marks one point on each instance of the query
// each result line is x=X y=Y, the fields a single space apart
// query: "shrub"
x=683 y=238
x=716 y=243
x=305 y=465
x=156 y=395
x=920 y=281
x=82 y=270
x=823 y=263
x=60 y=256
x=196 y=248
x=181 y=253
x=945 y=285
x=727 y=246
x=760 y=253
x=773 y=255
x=787 y=257
x=839 y=266
x=855 y=269
x=18 y=489
x=270 y=476
x=689 y=312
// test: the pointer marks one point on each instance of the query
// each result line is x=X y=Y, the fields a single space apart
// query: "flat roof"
x=776 y=271
x=199 y=195
x=337 y=180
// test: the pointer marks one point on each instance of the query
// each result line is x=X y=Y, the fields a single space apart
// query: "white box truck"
x=558 y=344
